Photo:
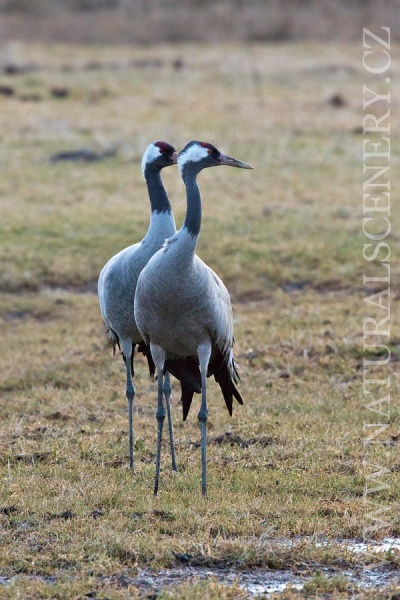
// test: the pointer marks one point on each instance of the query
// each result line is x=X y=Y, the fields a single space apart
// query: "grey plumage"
x=182 y=308
x=118 y=278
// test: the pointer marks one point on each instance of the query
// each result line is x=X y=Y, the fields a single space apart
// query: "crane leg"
x=167 y=394
x=130 y=394
x=160 y=420
x=158 y=355
x=204 y=353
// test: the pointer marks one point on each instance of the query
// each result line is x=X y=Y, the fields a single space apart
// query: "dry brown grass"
x=152 y=21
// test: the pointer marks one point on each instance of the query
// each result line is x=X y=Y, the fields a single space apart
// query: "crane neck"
x=192 y=221
x=158 y=196
x=162 y=222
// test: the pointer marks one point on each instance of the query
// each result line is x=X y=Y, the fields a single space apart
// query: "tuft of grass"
x=207 y=590
x=322 y=584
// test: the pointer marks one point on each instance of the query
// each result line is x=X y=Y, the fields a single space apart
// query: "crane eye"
x=209 y=151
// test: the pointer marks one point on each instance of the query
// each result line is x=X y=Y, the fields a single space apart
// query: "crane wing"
x=221 y=328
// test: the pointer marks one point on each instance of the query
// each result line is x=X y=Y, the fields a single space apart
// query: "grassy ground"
x=152 y=21
x=287 y=240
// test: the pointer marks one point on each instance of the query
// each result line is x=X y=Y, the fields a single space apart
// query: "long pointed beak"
x=224 y=159
x=174 y=158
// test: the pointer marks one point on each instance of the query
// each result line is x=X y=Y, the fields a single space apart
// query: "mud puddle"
x=259 y=582
x=387 y=545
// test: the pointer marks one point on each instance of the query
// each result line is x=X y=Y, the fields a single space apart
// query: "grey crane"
x=183 y=309
x=118 y=278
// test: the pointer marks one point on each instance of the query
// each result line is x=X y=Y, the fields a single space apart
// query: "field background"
x=278 y=86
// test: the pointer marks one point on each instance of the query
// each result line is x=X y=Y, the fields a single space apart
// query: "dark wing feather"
x=188 y=372
x=145 y=349
x=219 y=368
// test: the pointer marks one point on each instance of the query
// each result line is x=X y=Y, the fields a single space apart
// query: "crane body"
x=118 y=278
x=183 y=309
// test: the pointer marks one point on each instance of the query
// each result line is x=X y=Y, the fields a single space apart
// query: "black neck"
x=158 y=196
x=193 y=213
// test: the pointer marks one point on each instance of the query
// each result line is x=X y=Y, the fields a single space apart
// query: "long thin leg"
x=158 y=355
x=130 y=394
x=167 y=394
x=204 y=353
x=160 y=420
x=203 y=416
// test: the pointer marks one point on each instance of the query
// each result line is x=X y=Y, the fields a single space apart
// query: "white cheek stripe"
x=151 y=153
x=193 y=154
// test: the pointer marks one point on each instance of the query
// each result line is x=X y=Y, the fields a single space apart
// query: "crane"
x=118 y=278
x=183 y=309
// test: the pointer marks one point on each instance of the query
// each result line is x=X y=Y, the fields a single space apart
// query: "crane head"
x=159 y=154
x=203 y=154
